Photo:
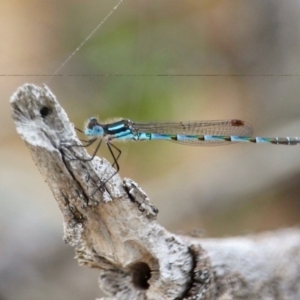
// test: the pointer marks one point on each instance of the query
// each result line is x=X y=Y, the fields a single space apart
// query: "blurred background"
x=246 y=54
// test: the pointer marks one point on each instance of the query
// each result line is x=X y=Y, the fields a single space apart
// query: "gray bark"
x=113 y=226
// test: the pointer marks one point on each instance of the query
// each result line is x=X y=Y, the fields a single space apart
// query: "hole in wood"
x=141 y=273
x=44 y=111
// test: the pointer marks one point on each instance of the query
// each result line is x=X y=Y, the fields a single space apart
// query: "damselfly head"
x=93 y=128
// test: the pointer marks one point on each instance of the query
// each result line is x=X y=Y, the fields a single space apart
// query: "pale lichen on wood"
x=114 y=228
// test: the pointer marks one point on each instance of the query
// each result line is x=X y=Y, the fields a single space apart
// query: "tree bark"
x=112 y=225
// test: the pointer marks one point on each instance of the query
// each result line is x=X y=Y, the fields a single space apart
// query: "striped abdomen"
x=215 y=139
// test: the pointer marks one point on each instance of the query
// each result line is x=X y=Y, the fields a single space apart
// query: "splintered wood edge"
x=113 y=228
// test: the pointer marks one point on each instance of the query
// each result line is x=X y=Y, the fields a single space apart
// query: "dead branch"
x=113 y=228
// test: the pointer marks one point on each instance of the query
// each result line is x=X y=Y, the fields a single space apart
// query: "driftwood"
x=114 y=229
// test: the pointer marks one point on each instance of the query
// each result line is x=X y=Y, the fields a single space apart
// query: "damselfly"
x=199 y=133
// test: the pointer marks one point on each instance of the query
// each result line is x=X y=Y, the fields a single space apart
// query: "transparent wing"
x=198 y=128
x=218 y=127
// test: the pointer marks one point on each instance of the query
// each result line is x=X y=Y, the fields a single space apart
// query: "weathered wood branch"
x=114 y=228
